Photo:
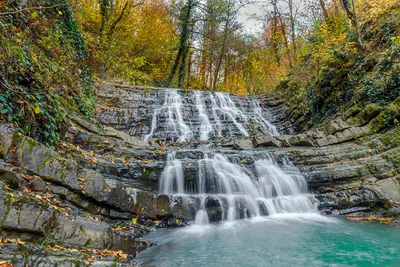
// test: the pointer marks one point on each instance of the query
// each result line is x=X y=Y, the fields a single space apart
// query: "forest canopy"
x=200 y=44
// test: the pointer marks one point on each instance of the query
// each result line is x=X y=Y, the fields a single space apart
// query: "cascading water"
x=206 y=126
x=196 y=115
x=231 y=190
x=176 y=127
x=224 y=185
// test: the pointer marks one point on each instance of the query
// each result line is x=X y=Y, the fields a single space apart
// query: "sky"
x=248 y=16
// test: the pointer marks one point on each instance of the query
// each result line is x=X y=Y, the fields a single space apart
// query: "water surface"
x=279 y=240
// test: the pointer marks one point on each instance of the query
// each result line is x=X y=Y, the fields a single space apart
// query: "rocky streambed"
x=93 y=200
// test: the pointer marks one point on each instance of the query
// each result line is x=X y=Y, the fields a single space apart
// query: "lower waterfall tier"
x=228 y=187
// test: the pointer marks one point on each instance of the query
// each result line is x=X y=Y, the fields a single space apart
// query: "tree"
x=323 y=7
x=185 y=28
x=352 y=15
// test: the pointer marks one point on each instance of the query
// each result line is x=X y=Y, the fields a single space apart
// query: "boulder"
x=37 y=158
x=83 y=232
x=26 y=217
x=389 y=189
x=243 y=144
x=266 y=140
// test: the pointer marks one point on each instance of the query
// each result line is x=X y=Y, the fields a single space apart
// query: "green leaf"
x=3 y=111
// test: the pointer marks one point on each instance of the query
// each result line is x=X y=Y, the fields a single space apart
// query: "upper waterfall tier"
x=184 y=115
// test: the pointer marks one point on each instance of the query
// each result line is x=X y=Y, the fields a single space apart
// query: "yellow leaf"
x=59 y=12
x=20 y=242
x=124 y=256
x=134 y=220
x=34 y=15
x=38 y=197
x=37 y=110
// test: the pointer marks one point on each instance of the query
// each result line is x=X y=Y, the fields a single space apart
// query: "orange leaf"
x=5 y=264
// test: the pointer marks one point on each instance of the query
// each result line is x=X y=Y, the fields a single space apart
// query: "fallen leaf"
x=5 y=264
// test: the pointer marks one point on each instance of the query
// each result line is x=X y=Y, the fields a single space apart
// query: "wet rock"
x=214 y=209
x=243 y=144
x=125 y=243
x=302 y=140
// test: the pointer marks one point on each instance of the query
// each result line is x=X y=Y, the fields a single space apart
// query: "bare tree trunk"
x=292 y=28
x=221 y=55
x=180 y=60
x=276 y=10
x=323 y=7
x=356 y=25
x=351 y=14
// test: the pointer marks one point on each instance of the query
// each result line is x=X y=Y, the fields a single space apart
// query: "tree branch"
x=30 y=8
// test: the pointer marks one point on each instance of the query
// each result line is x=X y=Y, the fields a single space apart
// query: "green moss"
x=8 y=202
x=88 y=242
x=371 y=108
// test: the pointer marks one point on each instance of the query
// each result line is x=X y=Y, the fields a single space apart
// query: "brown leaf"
x=5 y=264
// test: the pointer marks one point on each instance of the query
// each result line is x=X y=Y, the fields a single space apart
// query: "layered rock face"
x=344 y=160
x=111 y=178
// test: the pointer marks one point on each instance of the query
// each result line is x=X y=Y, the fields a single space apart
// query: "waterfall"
x=176 y=127
x=233 y=190
x=224 y=185
x=266 y=125
x=172 y=179
x=206 y=126
x=195 y=115
x=228 y=108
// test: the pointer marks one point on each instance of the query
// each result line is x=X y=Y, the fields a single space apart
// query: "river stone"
x=125 y=243
x=163 y=206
